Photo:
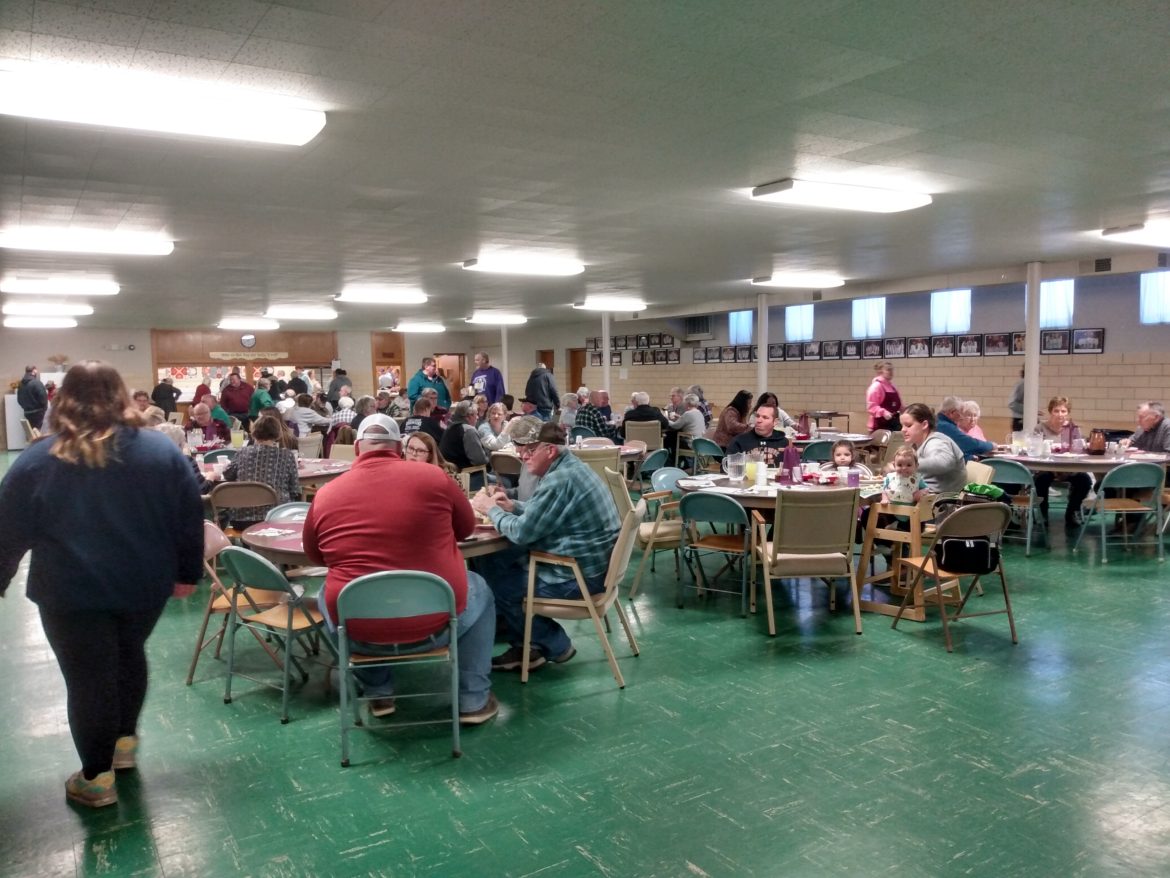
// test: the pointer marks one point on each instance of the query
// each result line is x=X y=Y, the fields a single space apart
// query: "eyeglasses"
x=417 y=452
x=526 y=451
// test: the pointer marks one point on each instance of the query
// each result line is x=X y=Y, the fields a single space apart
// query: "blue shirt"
x=571 y=513
x=969 y=445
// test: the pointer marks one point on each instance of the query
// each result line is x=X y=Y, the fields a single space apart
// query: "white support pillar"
x=503 y=367
x=605 y=346
x=761 y=343
x=1032 y=346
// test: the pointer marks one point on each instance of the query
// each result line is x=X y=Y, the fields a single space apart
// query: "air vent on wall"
x=697 y=329
x=1105 y=264
x=1164 y=260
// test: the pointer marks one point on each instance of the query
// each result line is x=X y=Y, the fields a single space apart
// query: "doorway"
x=452 y=368
x=577 y=359
x=547 y=358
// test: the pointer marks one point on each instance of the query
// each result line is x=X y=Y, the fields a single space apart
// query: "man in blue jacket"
x=948 y=416
x=425 y=377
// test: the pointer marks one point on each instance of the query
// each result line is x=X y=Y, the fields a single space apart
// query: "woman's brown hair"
x=90 y=407
x=433 y=448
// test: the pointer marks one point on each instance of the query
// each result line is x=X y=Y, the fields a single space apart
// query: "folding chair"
x=597 y=442
x=338 y=451
x=227 y=496
x=649 y=432
x=311 y=445
x=395 y=594
x=817 y=452
x=664 y=532
x=653 y=462
x=580 y=432
x=588 y=606
x=715 y=509
x=979 y=473
x=225 y=454
x=1147 y=478
x=1009 y=473
x=971 y=524
x=286 y=623
x=708 y=455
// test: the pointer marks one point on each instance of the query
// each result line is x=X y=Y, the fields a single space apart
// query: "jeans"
x=543 y=414
x=507 y=574
x=477 y=629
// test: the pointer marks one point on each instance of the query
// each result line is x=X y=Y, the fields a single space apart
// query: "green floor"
x=728 y=754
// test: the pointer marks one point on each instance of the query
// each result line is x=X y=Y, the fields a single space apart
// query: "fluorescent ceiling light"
x=408 y=326
x=525 y=263
x=611 y=303
x=149 y=102
x=62 y=285
x=497 y=318
x=252 y=323
x=46 y=309
x=299 y=312
x=801 y=280
x=376 y=294
x=840 y=196
x=39 y=322
x=1151 y=234
x=71 y=240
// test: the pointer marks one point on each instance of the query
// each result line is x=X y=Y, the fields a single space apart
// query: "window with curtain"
x=740 y=327
x=869 y=317
x=1155 y=297
x=950 y=312
x=798 y=323
x=1056 y=304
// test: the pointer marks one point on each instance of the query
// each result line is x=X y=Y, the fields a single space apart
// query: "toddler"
x=844 y=454
x=903 y=486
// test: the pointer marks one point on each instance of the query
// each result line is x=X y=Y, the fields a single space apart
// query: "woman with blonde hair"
x=493 y=433
x=112 y=516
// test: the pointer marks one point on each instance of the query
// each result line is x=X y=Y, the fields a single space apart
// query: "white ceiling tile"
x=15 y=44
x=233 y=16
x=16 y=14
x=93 y=25
x=201 y=42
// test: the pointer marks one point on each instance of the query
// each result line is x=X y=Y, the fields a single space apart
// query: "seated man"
x=589 y=416
x=1153 y=432
x=950 y=412
x=461 y=444
x=347 y=533
x=422 y=420
x=217 y=411
x=762 y=436
x=643 y=411
x=212 y=429
x=571 y=513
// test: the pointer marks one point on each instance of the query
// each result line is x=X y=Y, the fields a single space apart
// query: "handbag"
x=972 y=555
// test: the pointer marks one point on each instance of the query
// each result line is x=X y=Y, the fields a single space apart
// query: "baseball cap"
x=384 y=421
x=534 y=430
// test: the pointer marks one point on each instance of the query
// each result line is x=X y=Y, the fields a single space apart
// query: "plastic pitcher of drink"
x=237 y=438
x=735 y=465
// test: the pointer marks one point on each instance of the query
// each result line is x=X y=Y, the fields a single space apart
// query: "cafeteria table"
x=281 y=541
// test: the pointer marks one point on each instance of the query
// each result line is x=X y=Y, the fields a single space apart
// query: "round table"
x=751 y=497
x=281 y=542
x=1095 y=464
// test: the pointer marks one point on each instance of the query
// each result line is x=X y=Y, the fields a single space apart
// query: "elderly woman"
x=1060 y=429
x=733 y=419
x=264 y=461
x=704 y=409
x=569 y=404
x=366 y=405
x=969 y=413
x=460 y=443
x=940 y=461
x=882 y=400
x=306 y=417
x=112 y=516
x=492 y=432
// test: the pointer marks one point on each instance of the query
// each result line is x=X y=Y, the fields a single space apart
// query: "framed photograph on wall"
x=656 y=339
x=850 y=350
x=698 y=355
x=871 y=349
x=615 y=358
x=1054 y=341
x=595 y=358
x=831 y=350
x=668 y=339
x=1088 y=341
x=638 y=358
x=713 y=355
x=728 y=354
x=942 y=345
x=793 y=351
x=894 y=348
x=918 y=346
x=743 y=353
x=660 y=357
x=755 y=353
x=672 y=356
x=631 y=342
x=775 y=353
x=812 y=350
x=1019 y=342
x=643 y=341
x=969 y=345
x=997 y=344
x=590 y=344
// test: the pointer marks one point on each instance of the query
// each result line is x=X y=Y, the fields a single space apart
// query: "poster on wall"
x=997 y=344
x=660 y=357
x=1088 y=341
x=643 y=341
x=850 y=350
x=812 y=350
x=775 y=353
x=615 y=358
x=638 y=357
x=893 y=348
x=1019 y=342
x=831 y=350
x=970 y=345
x=668 y=339
x=871 y=349
x=1054 y=341
x=673 y=356
x=942 y=345
x=918 y=346
x=713 y=355
x=743 y=353
x=698 y=355
x=595 y=358
x=727 y=354
x=793 y=351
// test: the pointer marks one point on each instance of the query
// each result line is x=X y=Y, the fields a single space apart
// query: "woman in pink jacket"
x=882 y=400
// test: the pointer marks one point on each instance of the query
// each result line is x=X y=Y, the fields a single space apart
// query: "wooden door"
x=453 y=369
x=547 y=358
x=577 y=360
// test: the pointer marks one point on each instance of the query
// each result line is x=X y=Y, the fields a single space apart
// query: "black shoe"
x=513 y=658
x=565 y=656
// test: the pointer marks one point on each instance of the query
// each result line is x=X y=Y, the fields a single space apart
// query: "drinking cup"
x=750 y=470
x=853 y=480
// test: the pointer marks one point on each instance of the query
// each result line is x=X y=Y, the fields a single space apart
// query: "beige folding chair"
x=597 y=442
x=979 y=473
x=601 y=459
x=977 y=521
x=649 y=432
x=588 y=606
x=812 y=536
x=337 y=451
x=895 y=441
x=30 y=432
x=175 y=418
x=239 y=495
x=310 y=446
x=665 y=532
x=505 y=464
x=219 y=601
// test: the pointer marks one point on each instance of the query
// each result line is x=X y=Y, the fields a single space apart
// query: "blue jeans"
x=543 y=414
x=507 y=574
x=477 y=628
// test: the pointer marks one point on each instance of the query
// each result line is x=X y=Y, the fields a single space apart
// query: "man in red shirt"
x=347 y=533
x=235 y=398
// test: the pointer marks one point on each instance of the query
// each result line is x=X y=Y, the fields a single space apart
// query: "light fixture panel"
x=839 y=196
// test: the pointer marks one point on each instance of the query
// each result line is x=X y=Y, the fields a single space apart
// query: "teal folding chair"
x=654 y=462
x=1009 y=473
x=297 y=510
x=817 y=452
x=714 y=509
x=666 y=479
x=397 y=594
x=285 y=624
x=706 y=453
x=1141 y=477
x=576 y=433
x=225 y=454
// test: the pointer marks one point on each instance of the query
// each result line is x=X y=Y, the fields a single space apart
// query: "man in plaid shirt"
x=571 y=513
x=590 y=416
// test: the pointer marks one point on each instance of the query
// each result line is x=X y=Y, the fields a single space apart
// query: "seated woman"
x=492 y=431
x=940 y=461
x=733 y=419
x=783 y=419
x=969 y=413
x=1059 y=428
x=179 y=436
x=306 y=417
x=569 y=405
x=264 y=461
x=422 y=448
